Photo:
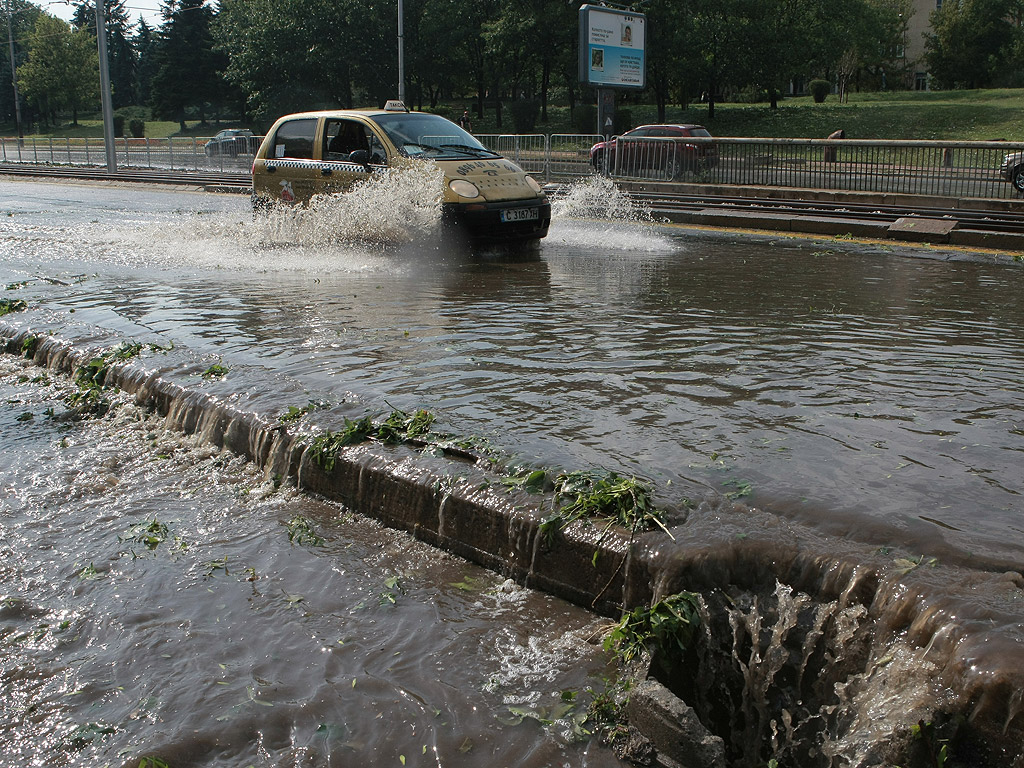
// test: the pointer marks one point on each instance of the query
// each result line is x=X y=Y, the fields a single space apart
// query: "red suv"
x=660 y=151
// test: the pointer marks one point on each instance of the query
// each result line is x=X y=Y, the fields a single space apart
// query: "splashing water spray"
x=597 y=197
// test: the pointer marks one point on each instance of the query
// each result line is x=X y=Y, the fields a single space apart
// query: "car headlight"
x=533 y=184
x=464 y=188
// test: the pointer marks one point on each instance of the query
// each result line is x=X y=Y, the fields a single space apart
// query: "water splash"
x=355 y=231
x=593 y=210
x=396 y=206
x=597 y=197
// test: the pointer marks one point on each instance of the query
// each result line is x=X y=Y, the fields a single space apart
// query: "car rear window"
x=295 y=139
x=700 y=132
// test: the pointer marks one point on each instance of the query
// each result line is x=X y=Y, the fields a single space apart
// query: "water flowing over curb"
x=815 y=653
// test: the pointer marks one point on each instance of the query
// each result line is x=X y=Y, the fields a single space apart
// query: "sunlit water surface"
x=870 y=393
x=858 y=389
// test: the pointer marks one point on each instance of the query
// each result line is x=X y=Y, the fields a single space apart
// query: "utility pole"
x=14 y=74
x=401 y=53
x=108 y=107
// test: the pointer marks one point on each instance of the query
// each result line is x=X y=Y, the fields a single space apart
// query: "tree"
x=122 y=54
x=971 y=42
x=673 y=63
x=288 y=55
x=509 y=52
x=187 y=66
x=782 y=39
x=22 y=15
x=62 y=70
x=145 y=43
x=720 y=40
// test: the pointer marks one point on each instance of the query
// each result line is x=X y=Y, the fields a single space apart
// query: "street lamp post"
x=105 y=102
x=401 y=53
x=14 y=75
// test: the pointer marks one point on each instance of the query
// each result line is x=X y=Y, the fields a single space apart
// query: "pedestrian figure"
x=464 y=122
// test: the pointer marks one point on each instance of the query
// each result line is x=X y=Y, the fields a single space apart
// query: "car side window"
x=294 y=139
x=343 y=137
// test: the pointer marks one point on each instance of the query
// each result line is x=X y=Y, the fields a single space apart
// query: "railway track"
x=240 y=181
x=985 y=220
x=976 y=219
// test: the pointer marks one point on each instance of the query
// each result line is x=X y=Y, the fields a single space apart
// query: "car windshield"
x=421 y=135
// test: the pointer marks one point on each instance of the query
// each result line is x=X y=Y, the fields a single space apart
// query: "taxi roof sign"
x=395 y=105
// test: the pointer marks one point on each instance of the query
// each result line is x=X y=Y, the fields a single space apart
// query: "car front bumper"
x=502 y=221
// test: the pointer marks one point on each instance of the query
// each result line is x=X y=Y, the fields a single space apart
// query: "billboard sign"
x=612 y=47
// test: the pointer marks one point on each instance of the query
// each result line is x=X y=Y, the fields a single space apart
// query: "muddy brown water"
x=869 y=395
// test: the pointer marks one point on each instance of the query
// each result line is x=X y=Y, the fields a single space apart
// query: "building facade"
x=918 y=25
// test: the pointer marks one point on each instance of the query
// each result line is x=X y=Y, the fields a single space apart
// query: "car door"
x=289 y=173
x=630 y=151
x=340 y=138
x=657 y=153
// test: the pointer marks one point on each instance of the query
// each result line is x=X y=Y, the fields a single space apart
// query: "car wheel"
x=1018 y=178
x=600 y=163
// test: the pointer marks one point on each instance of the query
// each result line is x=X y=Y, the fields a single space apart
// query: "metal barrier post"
x=547 y=158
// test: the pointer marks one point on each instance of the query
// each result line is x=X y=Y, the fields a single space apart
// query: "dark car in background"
x=233 y=142
x=656 y=151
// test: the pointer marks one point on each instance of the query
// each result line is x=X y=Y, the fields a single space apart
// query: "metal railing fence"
x=527 y=150
x=179 y=153
x=940 y=168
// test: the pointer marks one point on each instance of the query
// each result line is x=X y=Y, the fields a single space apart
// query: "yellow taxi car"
x=312 y=153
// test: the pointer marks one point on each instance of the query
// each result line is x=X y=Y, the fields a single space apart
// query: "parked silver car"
x=1012 y=170
x=233 y=142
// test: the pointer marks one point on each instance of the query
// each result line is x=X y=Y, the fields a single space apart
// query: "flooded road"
x=856 y=389
x=161 y=599
x=870 y=394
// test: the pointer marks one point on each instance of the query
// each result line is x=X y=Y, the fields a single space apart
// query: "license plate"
x=519 y=214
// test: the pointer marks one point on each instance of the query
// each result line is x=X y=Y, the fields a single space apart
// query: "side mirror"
x=360 y=156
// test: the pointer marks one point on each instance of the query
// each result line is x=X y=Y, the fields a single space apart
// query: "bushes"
x=623 y=121
x=819 y=90
x=524 y=114
x=134 y=117
x=584 y=119
x=751 y=94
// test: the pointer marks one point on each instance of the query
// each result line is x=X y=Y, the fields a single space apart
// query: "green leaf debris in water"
x=740 y=488
x=216 y=371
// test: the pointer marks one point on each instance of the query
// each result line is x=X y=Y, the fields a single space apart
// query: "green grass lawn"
x=950 y=115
